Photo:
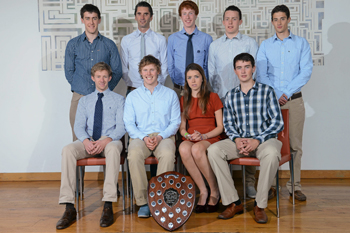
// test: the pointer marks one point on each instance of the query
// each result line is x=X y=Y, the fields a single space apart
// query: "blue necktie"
x=96 y=134
x=189 y=50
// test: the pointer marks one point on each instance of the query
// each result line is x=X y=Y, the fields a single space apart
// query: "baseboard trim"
x=56 y=176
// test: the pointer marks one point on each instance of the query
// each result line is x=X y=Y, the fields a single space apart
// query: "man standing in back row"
x=284 y=62
x=83 y=52
x=140 y=43
x=222 y=77
x=187 y=46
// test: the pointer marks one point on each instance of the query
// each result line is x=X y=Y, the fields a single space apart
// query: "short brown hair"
x=101 y=66
x=147 y=60
x=189 y=5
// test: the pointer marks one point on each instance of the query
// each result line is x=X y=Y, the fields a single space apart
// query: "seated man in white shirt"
x=152 y=118
x=99 y=127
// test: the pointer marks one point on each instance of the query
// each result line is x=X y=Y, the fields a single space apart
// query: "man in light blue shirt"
x=99 y=127
x=178 y=44
x=152 y=118
x=284 y=62
x=222 y=77
x=131 y=48
x=222 y=51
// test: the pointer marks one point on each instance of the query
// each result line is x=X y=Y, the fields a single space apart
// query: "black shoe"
x=107 y=217
x=69 y=217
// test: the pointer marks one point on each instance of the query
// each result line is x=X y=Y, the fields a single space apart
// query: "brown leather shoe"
x=299 y=195
x=106 y=217
x=260 y=215
x=69 y=217
x=272 y=193
x=231 y=210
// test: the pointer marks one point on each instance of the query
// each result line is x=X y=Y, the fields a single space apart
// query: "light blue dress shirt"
x=81 y=56
x=222 y=51
x=147 y=113
x=155 y=45
x=112 y=115
x=284 y=65
x=177 y=45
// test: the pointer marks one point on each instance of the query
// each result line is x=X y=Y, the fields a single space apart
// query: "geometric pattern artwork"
x=59 y=21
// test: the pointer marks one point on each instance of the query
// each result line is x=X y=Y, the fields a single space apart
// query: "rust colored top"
x=203 y=123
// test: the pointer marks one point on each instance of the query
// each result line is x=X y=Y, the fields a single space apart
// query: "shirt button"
x=92 y=59
x=247 y=123
x=246 y=105
x=92 y=51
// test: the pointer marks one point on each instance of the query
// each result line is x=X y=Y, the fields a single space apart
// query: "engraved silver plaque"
x=163 y=185
x=153 y=185
x=159 y=192
x=160 y=179
x=178 y=210
x=178 y=185
x=190 y=195
x=171 y=197
x=184 y=213
x=171 y=215
x=153 y=203
x=182 y=201
x=170 y=225
x=151 y=194
x=183 y=192
x=162 y=219
x=178 y=220
x=159 y=201
x=156 y=212
x=189 y=204
x=164 y=209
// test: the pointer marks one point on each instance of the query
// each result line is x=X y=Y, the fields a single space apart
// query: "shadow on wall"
x=328 y=98
x=121 y=28
x=218 y=27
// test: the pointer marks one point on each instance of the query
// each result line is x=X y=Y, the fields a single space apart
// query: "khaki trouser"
x=269 y=154
x=73 y=110
x=296 y=127
x=137 y=153
x=75 y=151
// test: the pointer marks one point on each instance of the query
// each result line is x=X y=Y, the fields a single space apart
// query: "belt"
x=295 y=96
x=131 y=88
x=178 y=86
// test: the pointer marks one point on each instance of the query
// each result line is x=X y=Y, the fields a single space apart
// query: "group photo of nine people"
x=240 y=117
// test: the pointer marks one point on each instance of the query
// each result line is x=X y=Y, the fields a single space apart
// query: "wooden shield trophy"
x=171 y=198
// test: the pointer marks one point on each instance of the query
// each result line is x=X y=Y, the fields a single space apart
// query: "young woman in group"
x=201 y=125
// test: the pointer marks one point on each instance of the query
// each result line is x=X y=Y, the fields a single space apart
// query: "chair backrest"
x=283 y=136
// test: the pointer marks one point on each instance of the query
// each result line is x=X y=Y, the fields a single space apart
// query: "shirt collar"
x=106 y=92
x=291 y=35
x=238 y=88
x=183 y=31
x=238 y=36
x=138 y=32
x=155 y=89
x=99 y=36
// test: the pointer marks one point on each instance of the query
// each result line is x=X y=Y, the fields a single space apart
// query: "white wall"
x=35 y=104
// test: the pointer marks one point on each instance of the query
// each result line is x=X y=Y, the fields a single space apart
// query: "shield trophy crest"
x=171 y=198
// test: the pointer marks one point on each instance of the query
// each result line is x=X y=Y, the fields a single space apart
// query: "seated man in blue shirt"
x=152 y=118
x=99 y=127
x=252 y=120
x=83 y=52
x=187 y=46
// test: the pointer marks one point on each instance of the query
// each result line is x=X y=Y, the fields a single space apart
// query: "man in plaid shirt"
x=252 y=120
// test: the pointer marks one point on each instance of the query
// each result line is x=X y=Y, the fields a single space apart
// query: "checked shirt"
x=256 y=114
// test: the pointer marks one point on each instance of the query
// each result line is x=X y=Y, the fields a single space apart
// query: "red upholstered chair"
x=95 y=161
x=283 y=136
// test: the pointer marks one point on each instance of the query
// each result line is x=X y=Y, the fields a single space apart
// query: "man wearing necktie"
x=99 y=127
x=140 y=43
x=187 y=46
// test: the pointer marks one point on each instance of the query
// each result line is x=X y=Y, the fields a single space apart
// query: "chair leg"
x=123 y=188
x=77 y=187
x=81 y=182
x=243 y=178
x=292 y=174
x=277 y=195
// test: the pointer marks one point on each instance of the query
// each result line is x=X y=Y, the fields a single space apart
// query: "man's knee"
x=213 y=152
x=114 y=147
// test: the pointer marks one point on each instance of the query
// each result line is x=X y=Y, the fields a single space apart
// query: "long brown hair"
x=204 y=93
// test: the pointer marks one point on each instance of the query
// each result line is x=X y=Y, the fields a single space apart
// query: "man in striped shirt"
x=252 y=120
